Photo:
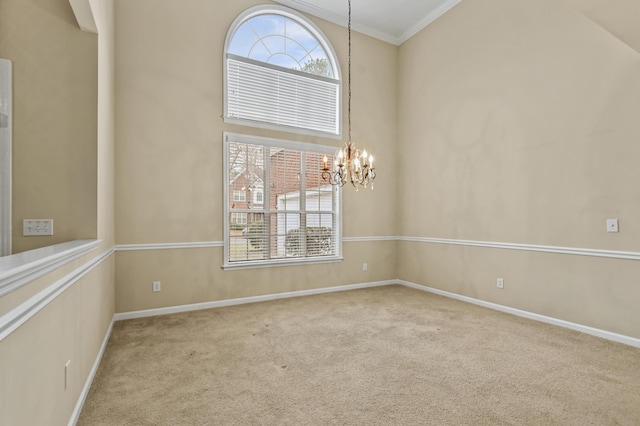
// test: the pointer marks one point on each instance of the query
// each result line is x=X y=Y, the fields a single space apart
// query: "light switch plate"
x=37 y=227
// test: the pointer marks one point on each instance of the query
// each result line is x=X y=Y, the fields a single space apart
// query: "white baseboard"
x=75 y=415
x=631 y=341
x=244 y=300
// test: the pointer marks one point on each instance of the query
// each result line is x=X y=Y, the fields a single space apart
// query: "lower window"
x=289 y=214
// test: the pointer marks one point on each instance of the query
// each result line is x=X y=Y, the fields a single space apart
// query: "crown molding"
x=435 y=14
x=84 y=15
x=336 y=18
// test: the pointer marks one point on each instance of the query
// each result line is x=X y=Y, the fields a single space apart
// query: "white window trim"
x=313 y=28
x=286 y=144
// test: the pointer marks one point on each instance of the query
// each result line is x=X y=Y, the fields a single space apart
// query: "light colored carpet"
x=380 y=356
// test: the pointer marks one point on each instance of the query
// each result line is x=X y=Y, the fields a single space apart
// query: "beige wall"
x=513 y=124
x=33 y=357
x=54 y=129
x=169 y=182
x=520 y=121
x=72 y=326
x=194 y=275
x=619 y=17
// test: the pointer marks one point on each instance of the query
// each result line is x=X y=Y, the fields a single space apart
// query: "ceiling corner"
x=424 y=22
x=392 y=23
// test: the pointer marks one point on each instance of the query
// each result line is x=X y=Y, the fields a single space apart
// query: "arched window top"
x=282 y=37
x=281 y=73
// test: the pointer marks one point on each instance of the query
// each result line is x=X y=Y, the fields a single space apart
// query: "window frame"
x=289 y=145
x=324 y=42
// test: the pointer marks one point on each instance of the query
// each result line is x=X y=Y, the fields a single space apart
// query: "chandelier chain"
x=349 y=73
x=349 y=164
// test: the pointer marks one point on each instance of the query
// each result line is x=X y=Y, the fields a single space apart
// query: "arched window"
x=281 y=72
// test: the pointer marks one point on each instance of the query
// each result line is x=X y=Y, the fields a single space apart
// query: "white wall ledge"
x=84 y=15
x=13 y=319
x=20 y=269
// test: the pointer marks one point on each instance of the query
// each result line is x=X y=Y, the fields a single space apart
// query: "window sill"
x=282 y=128
x=281 y=262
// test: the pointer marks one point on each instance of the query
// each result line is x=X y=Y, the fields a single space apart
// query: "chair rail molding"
x=615 y=254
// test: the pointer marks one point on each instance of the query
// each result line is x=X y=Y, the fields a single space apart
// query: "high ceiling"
x=393 y=21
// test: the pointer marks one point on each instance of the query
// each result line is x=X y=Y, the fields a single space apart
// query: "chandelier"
x=349 y=163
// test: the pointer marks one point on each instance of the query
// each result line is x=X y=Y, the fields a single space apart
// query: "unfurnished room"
x=293 y=212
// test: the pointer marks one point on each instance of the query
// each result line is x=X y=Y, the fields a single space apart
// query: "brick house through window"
x=282 y=188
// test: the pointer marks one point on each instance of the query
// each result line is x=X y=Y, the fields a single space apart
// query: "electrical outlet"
x=500 y=283
x=37 y=227
x=365 y=267
x=156 y=286
x=612 y=225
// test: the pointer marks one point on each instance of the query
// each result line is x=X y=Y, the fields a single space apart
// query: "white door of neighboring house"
x=5 y=156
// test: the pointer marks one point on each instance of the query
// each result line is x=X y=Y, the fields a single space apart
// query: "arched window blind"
x=281 y=72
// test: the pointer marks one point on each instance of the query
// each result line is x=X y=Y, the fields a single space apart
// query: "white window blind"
x=265 y=93
x=299 y=217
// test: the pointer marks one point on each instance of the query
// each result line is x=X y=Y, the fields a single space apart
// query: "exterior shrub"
x=237 y=226
x=255 y=234
x=318 y=242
